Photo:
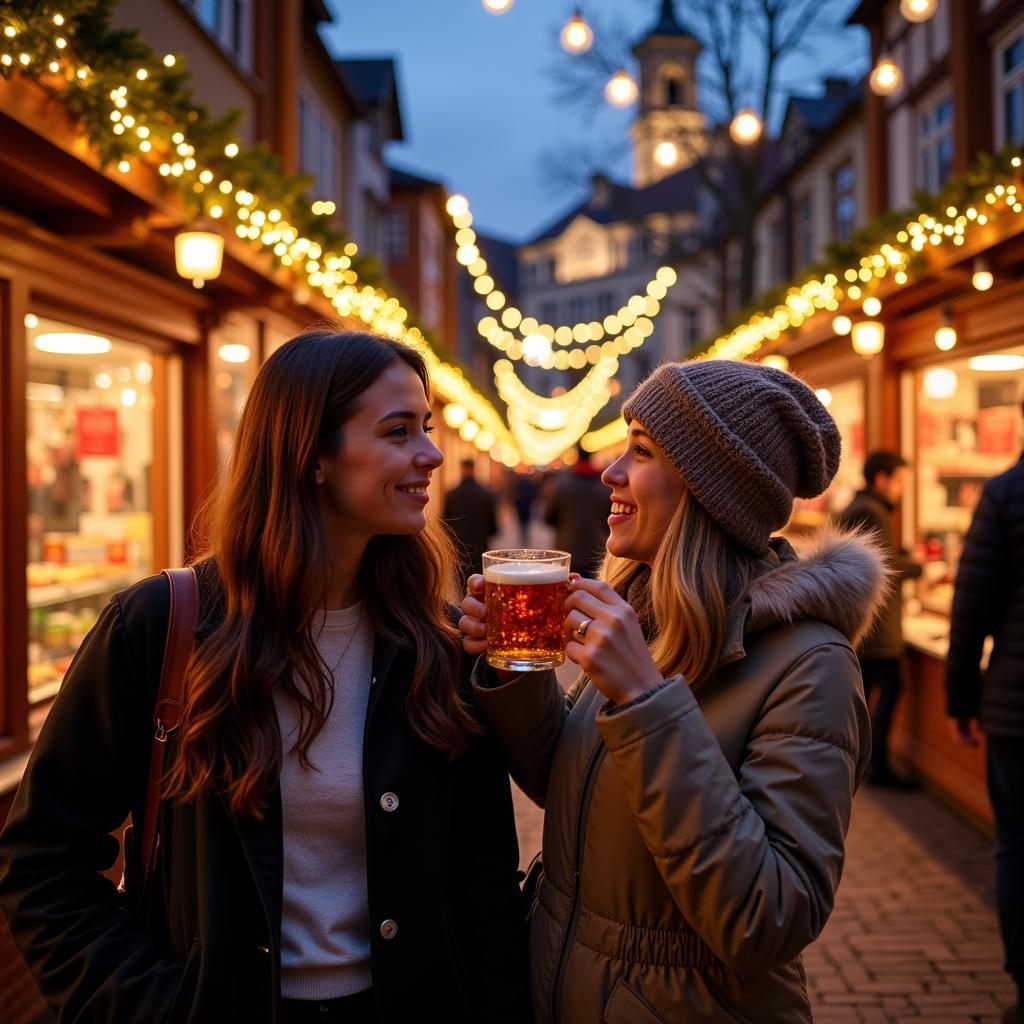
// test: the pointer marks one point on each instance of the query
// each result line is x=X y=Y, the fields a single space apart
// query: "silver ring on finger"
x=581 y=630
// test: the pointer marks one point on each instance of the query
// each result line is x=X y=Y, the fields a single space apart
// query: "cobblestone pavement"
x=913 y=936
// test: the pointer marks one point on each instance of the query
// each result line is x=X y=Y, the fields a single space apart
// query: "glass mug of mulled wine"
x=524 y=590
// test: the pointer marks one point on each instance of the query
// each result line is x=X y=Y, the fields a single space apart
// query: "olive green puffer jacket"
x=693 y=840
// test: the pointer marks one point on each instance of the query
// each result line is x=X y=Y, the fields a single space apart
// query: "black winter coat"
x=205 y=946
x=470 y=510
x=869 y=509
x=989 y=601
x=578 y=509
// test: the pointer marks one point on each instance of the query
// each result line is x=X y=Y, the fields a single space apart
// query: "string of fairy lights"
x=267 y=227
x=539 y=428
x=849 y=296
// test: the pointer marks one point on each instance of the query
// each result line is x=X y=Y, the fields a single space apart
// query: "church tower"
x=668 y=133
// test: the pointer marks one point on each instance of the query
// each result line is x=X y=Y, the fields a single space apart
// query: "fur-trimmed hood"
x=840 y=577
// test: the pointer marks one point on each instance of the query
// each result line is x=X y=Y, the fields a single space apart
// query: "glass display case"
x=845 y=401
x=90 y=409
x=963 y=424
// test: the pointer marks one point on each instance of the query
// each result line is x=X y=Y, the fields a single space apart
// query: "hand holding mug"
x=606 y=641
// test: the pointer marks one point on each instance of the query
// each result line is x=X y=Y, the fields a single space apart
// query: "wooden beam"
x=972 y=86
x=13 y=517
x=876 y=135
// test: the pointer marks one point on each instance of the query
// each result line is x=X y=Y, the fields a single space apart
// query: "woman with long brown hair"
x=697 y=779
x=336 y=832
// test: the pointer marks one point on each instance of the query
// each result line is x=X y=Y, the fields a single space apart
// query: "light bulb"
x=918 y=10
x=576 y=36
x=745 y=127
x=666 y=154
x=621 y=90
x=886 y=77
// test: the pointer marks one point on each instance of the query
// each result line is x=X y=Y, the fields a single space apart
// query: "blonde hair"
x=698 y=577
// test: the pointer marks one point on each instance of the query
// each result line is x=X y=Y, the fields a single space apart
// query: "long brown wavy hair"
x=270 y=556
x=697 y=579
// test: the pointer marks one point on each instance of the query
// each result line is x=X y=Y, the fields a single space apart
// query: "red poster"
x=997 y=430
x=97 y=432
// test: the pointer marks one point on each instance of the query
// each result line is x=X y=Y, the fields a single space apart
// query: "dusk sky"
x=476 y=93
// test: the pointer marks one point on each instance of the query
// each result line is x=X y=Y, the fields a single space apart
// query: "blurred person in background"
x=471 y=512
x=881 y=651
x=577 y=506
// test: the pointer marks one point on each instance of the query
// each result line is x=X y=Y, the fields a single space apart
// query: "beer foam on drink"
x=524 y=574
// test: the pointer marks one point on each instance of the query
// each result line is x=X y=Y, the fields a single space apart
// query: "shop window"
x=844 y=201
x=935 y=144
x=845 y=402
x=90 y=413
x=394 y=236
x=1010 y=90
x=804 y=232
x=691 y=326
x=234 y=351
x=778 y=250
x=230 y=23
x=318 y=145
x=966 y=430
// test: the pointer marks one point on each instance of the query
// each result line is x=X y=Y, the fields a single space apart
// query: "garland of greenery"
x=72 y=50
x=960 y=191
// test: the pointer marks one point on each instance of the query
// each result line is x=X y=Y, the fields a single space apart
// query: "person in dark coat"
x=989 y=602
x=881 y=651
x=471 y=510
x=337 y=841
x=578 y=507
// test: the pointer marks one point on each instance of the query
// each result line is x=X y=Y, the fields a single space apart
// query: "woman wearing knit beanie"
x=697 y=779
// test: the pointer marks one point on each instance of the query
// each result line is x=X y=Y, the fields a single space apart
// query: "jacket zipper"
x=574 y=910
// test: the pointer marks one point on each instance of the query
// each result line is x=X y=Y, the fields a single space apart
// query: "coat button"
x=388 y=929
x=263 y=949
x=389 y=801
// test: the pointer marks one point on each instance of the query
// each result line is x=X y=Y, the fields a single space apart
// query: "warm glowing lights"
x=982 y=278
x=918 y=10
x=745 y=127
x=872 y=306
x=666 y=154
x=576 y=35
x=536 y=349
x=231 y=149
x=457 y=205
x=997 y=362
x=886 y=77
x=824 y=396
x=868 y=337
x=455 y=415
x=621 y=90
x=940 y=383
x=71 y=343
x=234 y=353
x=945 y=333
x=497 y=6
x=776 y=361
x=198 y=255
x=841 y=325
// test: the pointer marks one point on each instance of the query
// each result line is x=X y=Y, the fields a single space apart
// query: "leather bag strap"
x=181 y=627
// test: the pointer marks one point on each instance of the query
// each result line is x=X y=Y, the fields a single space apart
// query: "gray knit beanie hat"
x=747 y=439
